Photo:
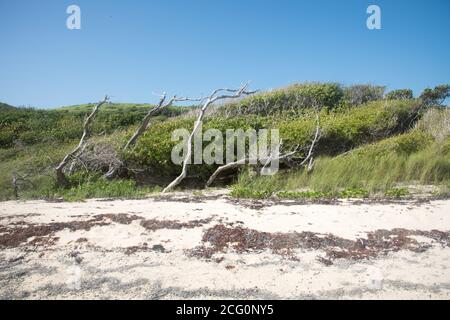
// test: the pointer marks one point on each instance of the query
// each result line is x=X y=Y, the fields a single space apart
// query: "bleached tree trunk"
x=15 y=186
x=61 y=179
x=161 y=105
x=215 y=96
x=141 y=129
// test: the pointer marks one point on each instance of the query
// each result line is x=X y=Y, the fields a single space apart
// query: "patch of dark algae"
x=220 y=237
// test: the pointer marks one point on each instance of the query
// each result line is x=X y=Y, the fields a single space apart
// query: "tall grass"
x=411 y=158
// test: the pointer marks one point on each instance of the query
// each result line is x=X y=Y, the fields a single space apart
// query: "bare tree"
x=143 y=127
x=61 y=179
x=218 y=94
x=271 y=157
x=19 y=180
x=144 y=124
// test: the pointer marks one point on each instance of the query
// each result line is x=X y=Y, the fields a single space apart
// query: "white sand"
x=100 y=269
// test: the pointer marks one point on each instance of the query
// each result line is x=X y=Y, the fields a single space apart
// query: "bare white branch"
x=144 y=124
x=217 y=94
x=266 y=160
x=60 y=176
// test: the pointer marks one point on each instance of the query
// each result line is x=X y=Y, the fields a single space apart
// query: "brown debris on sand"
x=144 y=248
x=122 y=218
x=154 y=224
x=14 y=234
x=220 y=238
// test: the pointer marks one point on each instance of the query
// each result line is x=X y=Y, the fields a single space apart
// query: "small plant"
x=102 y=188
x=354 y=193
x=246 y=192
x=396 y=192
x=303 y=195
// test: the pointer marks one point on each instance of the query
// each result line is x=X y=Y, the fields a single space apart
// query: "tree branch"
x=60 y=176
x=217 y=94
x=161 y=105
x=266 y=160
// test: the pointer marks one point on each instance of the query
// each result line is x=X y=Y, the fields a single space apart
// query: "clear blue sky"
x=133 y=49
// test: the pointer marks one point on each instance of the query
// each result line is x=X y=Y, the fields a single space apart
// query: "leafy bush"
x=32 y=126
x=354 y=193
x=346 y=130
x=436 y=96
x=400 y=94
x=293 y=99
x=341 y=132
x=245 y=192
x=362 y=93
x=412 y=157
x=396 y=192
x=303 y=195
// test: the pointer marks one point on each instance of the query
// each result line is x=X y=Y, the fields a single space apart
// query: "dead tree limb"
x=218 y=94
x=266 y=160
x=60 y=176
x=18 y=180
x=144 y=126
x=161 y=105
x=15 y=186
x=243 y=161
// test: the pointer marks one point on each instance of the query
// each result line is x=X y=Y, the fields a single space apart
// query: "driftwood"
x=266 y=160
x=218 y=94
x=61 y=179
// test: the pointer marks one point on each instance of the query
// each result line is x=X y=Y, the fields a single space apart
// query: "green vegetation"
x=31 y=126
x=370 y=145
x=412 y=158
x=292 y=99
x=97 y=187
x=397 y=192
x=400 y=94
x=342 y=131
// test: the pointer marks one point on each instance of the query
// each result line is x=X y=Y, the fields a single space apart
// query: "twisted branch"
x=217 y=94
x=60 y=176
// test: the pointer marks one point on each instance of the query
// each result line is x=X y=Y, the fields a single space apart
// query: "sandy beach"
x=213 y=246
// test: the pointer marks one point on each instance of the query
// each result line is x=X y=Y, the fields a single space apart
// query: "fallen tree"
x=286 y=156
x=218 y=94
x=112 y=172
x=61 y=179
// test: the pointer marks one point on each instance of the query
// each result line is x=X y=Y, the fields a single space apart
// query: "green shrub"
x=436 y=96
x=354 y=193
x=245 y=192
x=32 y=126
x=400 y=94
x=303 y=195
x=362 y=93
x=413 y=157
x=293 y=99
x=341 y=131
x=396 y=192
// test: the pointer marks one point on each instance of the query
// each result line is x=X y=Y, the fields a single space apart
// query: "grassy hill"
x=371 y=144
x=5 y=107
x=30 y=126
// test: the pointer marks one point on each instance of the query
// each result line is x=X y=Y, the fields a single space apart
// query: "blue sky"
x=135 y=49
